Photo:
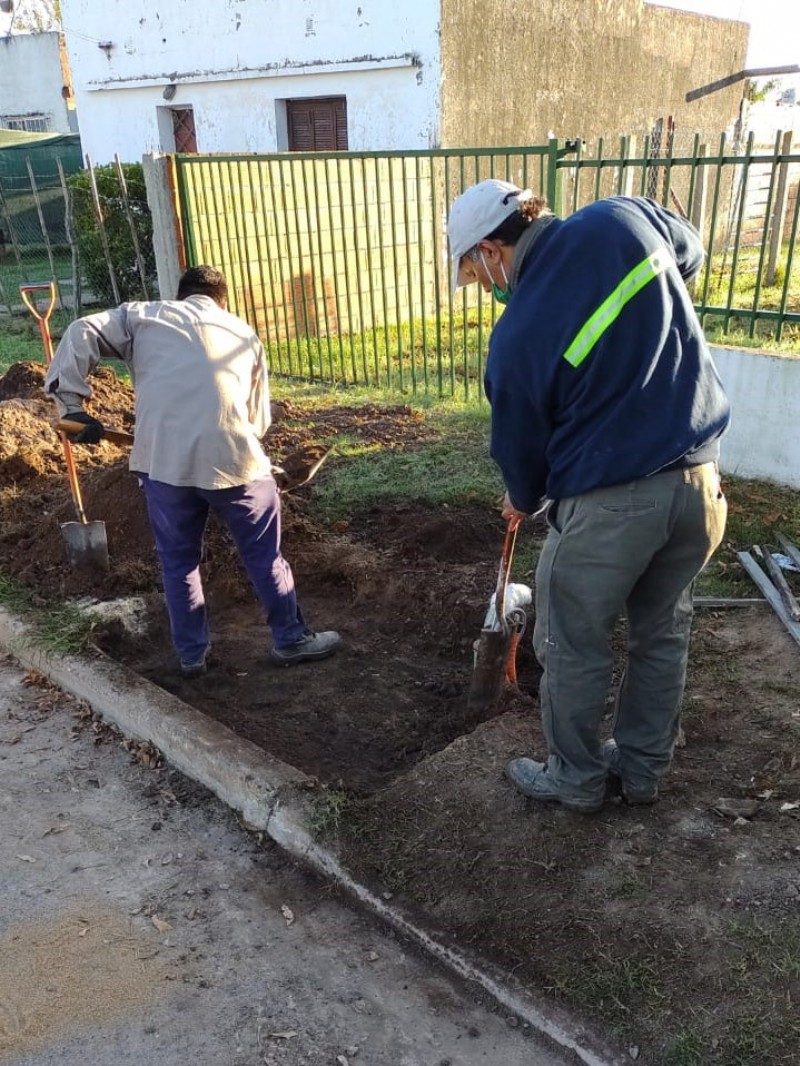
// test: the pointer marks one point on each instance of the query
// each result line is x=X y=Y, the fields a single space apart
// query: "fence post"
x=628 y=172
x=72 y=240
x=779 y=211
x=101 y=225
x=11 y=234
x=555 y=184
x=137 y=251
x=166 y=244
x=43 y=226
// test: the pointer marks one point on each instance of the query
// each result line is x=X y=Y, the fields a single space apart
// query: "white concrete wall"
x=764 y=436
x=31 y=78
x=231 y=60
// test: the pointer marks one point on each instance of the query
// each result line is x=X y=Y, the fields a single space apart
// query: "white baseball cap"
x=477 y=212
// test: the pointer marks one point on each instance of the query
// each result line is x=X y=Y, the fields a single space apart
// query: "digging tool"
x=85 y=541
x=288 y=486
x=494 y=647
x=116 y=436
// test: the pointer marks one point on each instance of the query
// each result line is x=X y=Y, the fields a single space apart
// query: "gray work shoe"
x=197 y=667
x=635 y=795
x=309 y=648
x=532 y=779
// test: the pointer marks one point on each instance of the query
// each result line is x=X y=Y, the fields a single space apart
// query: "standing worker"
x=202 y=407
x=605 y=401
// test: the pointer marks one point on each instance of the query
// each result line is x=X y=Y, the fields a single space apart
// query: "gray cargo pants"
x=635 y=548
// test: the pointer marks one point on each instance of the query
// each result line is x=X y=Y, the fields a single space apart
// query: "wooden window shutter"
x=318 y=124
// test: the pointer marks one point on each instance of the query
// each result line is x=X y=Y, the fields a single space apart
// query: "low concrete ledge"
x=243 y=775
x=272 y=797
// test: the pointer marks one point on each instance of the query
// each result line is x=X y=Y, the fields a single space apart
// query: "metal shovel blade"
x=489 y=675
x=86 y=544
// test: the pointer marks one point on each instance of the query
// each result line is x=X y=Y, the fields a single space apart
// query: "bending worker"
x=202 y=407
x=605 y=401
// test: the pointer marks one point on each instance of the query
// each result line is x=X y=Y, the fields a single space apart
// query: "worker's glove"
x=93 y=433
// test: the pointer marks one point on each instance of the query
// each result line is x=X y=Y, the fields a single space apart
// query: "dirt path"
x=139 y=924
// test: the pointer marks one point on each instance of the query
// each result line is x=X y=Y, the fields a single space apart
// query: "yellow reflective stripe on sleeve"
x=609 y=310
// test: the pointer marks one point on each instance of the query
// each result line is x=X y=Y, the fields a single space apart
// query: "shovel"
x=85 y=541
x=494 y=647
x=116 y=436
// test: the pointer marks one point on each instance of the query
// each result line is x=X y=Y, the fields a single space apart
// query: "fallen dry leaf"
x=160 y=924
x=288 y=913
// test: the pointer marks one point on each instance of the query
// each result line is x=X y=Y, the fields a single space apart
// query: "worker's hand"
x=510 y=512
x=92 y=434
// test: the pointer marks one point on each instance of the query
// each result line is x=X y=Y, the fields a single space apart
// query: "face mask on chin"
x=502 y=295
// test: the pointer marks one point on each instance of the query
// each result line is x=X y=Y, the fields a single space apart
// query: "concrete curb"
x=271 y=797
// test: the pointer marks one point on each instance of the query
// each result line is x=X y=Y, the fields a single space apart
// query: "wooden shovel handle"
x=506 y=558
x=116 y=436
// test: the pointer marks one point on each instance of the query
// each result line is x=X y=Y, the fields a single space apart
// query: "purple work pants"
x=252 y=513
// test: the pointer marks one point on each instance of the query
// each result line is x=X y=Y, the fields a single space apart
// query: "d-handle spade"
x=85 y=541
x=494 y=646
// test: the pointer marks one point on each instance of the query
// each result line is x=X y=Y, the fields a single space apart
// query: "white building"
x=238 y=75
x=34 y=85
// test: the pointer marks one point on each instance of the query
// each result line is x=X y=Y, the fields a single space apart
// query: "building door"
x=317 y=124
x=183 y=129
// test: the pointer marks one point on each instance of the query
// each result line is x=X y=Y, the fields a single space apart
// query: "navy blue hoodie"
x=598 y=372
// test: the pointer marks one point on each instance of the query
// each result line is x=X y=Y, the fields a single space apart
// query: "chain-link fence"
x=86 y=230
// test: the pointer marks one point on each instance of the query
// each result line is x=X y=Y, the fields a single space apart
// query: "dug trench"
x=677 y=927
x=406 y=587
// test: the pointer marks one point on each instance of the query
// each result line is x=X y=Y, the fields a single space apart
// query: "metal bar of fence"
x=437 y=295
x=256 y=195
x=765 y=229
x=714 y=217
x=421 y=256
x=298 y=276
x=784 y=315
x=741 y=195
x=288 y=326
x=345 y=230
x=409 y=285
x=395 y=243
x=383 y=274
x=321 y=255
x=370 y=271
x=358 y=271
x=334 y=261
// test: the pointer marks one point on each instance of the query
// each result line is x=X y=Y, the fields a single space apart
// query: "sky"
x=774 y=26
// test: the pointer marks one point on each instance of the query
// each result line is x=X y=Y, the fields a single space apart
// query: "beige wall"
x=512 y=71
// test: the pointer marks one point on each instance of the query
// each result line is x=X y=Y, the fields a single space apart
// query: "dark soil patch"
x=407 y=589
x=673 y=925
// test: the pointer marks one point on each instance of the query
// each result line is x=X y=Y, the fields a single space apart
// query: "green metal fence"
x=744 y=200
x=340 y=260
